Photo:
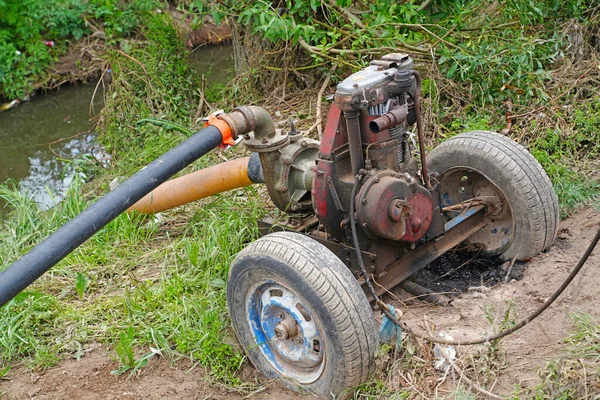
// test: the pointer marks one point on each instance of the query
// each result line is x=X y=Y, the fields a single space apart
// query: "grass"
x=139 y=286
x=143 y=287
x=576 y=374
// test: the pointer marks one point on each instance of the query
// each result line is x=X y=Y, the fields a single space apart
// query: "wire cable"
x=484 y=339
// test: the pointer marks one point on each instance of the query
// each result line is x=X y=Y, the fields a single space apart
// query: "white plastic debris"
x=443 y=353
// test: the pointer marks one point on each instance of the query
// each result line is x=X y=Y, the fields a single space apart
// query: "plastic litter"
x=442 y=364
x=389 y=330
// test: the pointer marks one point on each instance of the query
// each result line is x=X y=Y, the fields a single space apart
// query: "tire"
x=290 y=280
x=530 y=222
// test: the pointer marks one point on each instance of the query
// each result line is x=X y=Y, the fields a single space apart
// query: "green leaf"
x=4 y=371
x=81 y=284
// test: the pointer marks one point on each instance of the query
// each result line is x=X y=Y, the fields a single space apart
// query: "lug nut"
x=281 y=332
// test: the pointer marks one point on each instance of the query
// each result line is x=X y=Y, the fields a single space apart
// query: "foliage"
x=26 y=25
x=496 y=50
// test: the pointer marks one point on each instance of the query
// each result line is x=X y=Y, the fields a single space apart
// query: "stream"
x=42 y=139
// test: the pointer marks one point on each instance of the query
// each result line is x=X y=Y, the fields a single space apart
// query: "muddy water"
x=216 y=62
x=35 y=149
x=40 y=140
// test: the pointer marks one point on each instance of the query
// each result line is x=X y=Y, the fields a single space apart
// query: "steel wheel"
x=458 y=185
x=301 y=316
x=285 y=332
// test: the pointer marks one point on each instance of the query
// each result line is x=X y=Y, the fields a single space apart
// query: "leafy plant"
x=34 y=33
x=125 y=350
x=81 y=284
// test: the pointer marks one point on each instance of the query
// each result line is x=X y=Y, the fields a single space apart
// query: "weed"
x=81 y=284
x=488 y=361
x=125 y=350
x=576 y=374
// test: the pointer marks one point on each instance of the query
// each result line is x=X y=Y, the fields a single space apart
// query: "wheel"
x=486 y=164
x=300 y=315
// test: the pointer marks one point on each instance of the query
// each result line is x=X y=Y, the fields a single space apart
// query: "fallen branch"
x=464 y=377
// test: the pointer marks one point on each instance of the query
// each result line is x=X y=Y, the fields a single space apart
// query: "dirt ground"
x=527 y=351
x=90 y=378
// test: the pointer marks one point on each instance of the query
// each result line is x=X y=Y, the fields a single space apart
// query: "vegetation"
x=34 y=33
x=143 y=286
x=529 y=67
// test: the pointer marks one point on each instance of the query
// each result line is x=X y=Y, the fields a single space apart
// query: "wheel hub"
x=290 y=338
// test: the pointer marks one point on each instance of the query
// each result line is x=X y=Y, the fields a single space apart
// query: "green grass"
x=138 y=286
x=575 y=374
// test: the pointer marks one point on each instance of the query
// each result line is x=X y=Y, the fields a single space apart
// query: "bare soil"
x=90 y=378
x=526 y=351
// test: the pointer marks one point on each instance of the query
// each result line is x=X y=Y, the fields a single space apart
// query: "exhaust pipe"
x=44 y=256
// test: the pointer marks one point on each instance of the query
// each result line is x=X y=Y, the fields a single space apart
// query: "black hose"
x=44 y=256
x=481 y=340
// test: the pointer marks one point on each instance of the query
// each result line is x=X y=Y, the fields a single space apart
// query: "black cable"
x=486 y=339
x=361 y=262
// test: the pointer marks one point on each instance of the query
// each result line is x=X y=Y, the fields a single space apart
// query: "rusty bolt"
x=355 y=85
x=288 y=162
x=364 y=201
x=284 y=189
x=304 y=143
x=246 y=137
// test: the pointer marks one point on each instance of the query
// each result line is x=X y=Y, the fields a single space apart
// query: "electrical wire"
x=484 y=339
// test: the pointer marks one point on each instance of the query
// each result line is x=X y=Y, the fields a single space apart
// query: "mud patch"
x=457 y=271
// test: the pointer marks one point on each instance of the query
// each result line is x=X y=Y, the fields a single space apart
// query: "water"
x=214 y=61
x=39 y=139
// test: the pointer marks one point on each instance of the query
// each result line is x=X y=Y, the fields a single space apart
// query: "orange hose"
x=197 y=185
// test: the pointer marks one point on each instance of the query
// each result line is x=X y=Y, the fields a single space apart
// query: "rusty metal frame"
x=394 y=273
x=456 y=231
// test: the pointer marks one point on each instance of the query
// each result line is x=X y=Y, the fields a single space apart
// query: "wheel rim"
x=461 y=184
x=285 y=332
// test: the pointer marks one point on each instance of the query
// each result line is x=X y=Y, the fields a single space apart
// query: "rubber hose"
x=44 y=256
